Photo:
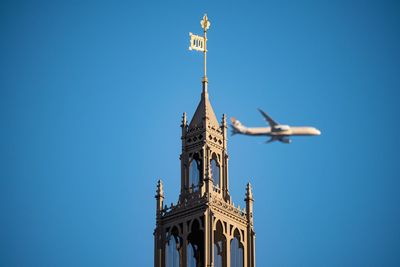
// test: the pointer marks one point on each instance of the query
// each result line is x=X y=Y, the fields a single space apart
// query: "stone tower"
x=204 y=228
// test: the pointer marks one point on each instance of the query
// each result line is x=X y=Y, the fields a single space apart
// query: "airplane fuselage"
x=290 y=131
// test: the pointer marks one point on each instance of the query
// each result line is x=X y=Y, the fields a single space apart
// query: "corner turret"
x=159 y=198
x=249 y=203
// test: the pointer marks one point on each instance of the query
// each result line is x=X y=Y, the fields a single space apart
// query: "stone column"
x=206 y=238
x=246 y=262
x=228 y=250
x=250 y=233
x=185 y=234
x=211 y=249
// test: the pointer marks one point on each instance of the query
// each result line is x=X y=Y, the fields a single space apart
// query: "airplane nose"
x=317 y=132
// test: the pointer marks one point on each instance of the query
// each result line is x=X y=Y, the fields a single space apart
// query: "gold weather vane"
x=199 y=43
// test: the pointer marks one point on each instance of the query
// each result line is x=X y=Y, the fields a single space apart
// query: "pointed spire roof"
x=204 y=110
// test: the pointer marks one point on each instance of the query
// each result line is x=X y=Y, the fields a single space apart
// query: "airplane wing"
x=282 y=139
x=272 y=139
x=270 y=121
x=285 y=140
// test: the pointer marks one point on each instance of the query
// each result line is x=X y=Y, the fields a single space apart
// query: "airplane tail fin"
x=267 y=118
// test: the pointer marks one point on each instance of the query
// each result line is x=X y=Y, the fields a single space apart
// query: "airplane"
x=276 y=131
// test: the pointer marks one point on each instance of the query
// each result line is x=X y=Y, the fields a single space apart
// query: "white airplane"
x=276 y=131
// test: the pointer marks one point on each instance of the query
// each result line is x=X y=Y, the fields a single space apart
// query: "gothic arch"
x=191 y=224
x=173 y=247
x=194 y=174
x=215 y=226
x=216 y=170
x=237 y=249
x=237 y=230
x=174 y=230
x=216 y=156
x=219 y=245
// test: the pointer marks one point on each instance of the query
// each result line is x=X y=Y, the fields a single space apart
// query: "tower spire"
x=204 y=112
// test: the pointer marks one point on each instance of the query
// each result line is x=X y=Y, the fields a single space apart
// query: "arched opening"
x=195 y=246
x=219 y=246
x=215 y=172
x=236 y=251
x=172 y=249
x=191 y=255
x=194 y=173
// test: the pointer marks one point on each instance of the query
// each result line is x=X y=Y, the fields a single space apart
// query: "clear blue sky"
x=91 y=97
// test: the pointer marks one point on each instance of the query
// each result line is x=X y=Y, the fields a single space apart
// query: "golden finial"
x=199 y=43
x=205 y=23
